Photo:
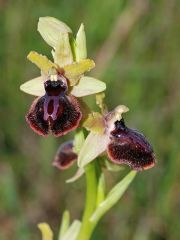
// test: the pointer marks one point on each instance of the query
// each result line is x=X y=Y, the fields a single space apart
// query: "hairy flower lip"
x=123 y=145
x=59 y=114
x=128 y=146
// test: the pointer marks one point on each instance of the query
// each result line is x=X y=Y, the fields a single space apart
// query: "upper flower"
x=61 y=81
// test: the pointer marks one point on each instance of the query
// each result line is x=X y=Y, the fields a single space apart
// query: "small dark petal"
x=65 y=156
x=35 y=117
x=68 y=116
x=127 y=146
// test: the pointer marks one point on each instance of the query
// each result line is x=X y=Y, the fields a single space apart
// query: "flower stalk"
x=90 y=205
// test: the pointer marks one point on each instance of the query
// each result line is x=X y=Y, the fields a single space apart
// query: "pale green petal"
x=50 y=29
x=73 y=231
x=87 y=86
x=63 y=53
x=46 y=231
x=81 y=50
x=74 y=71
x=41 y=61
x=34 y=87
x=94 y=145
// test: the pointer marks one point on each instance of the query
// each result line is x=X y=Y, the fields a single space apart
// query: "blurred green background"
x=136 y=46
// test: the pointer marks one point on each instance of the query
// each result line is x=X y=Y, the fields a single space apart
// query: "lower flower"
x=123 y=145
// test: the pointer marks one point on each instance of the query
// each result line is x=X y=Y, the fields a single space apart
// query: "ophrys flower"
x=123 y=145
x=57 y=108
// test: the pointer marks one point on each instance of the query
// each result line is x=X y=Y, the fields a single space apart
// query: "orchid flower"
x=57 y=109
x=123 y=145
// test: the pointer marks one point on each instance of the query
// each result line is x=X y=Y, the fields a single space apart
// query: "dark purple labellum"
x=65 y=156
x=127 y=146
x=55 y=111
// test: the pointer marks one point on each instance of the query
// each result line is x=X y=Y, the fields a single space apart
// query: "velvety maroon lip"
x=55 y=111
x=65 y=156
x=128 y=146
x=35 y=117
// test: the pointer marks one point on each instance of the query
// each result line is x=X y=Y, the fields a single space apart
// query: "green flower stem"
x=97 y=204
x=91 y=193
x=112 y=198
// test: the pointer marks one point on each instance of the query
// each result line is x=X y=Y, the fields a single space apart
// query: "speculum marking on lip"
x=51 y=106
